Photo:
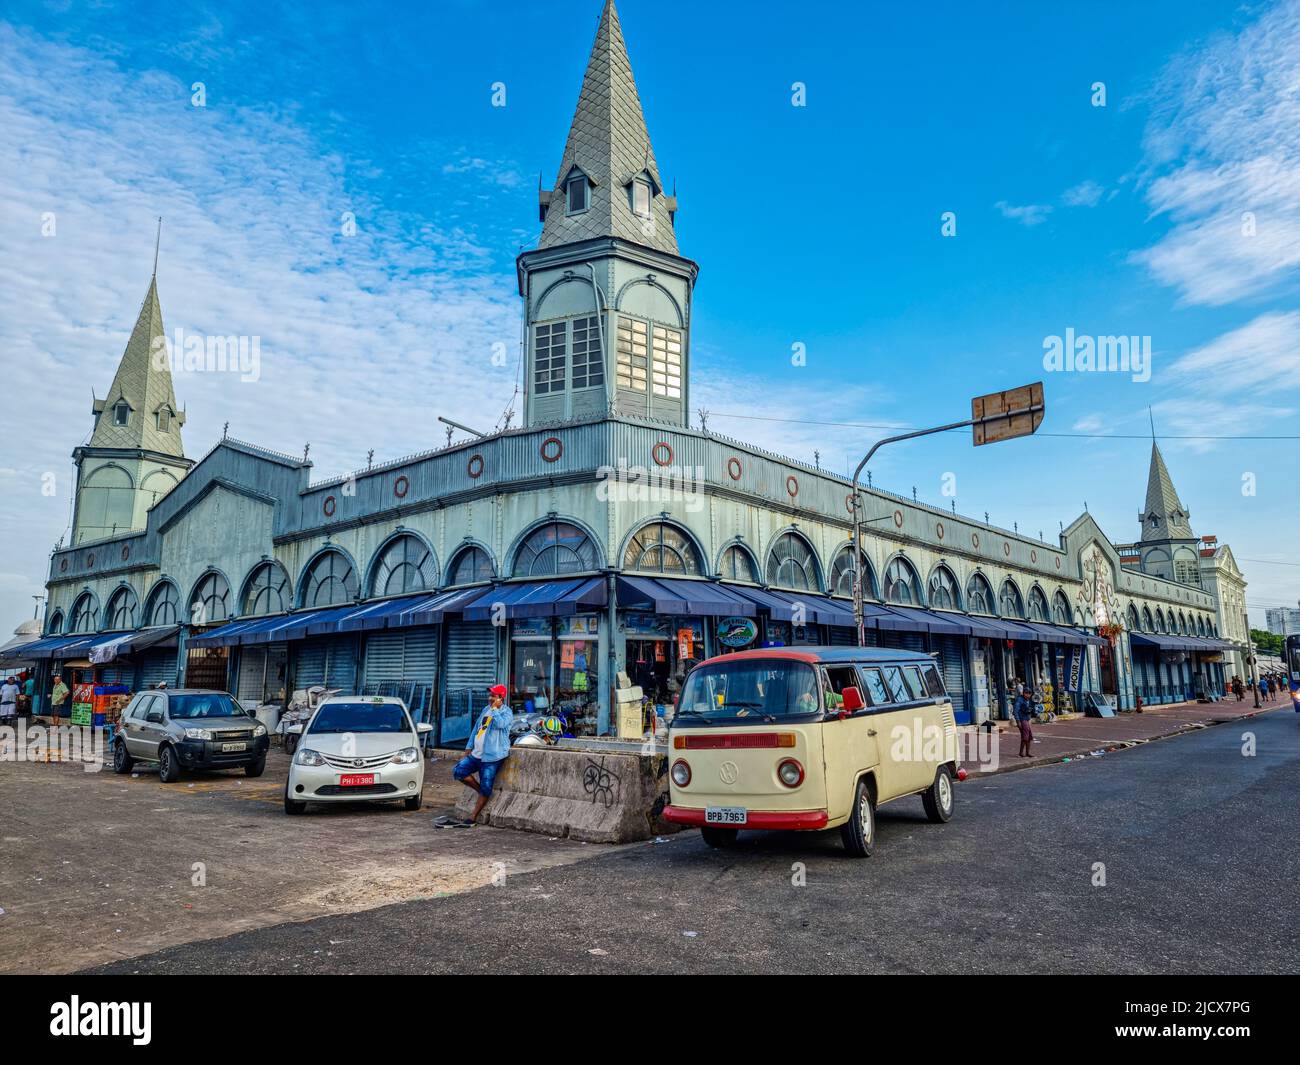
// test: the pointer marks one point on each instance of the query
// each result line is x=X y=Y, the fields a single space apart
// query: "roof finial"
x=1151 y=415
x=157 y=242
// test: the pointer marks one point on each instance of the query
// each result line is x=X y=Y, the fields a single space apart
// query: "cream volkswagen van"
x=810 y=738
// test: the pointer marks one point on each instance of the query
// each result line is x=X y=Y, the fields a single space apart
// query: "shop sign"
x=524 y=627
x=737 y=632
x=580 y=625
x=1074 y=669
x=685 y=644
x=647 y=625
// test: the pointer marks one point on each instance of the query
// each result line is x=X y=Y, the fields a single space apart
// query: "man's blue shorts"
x=487 y=772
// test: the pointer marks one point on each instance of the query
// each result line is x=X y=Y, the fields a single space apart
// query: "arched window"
x=792 y=564
x=329 y=580
x=123 y=610
x=738 y=565
x=1010 y=603
x=662 y=548
x=470 y=566
x=1063 y=615
x=1132 y=620
x=979 y=595
x=163 y=606
x=266 y=591
x=556 y=548
x=85 y=614
x=106 y=502
x=1148 y=623
x=1200 y=626
x=1160 y=620
x=1182 y=623
x=54 y=624
x=405 y=565
x=942 y=589
x=901 y=583
x=1038 y=604
x=210 y=601
x=841 y=582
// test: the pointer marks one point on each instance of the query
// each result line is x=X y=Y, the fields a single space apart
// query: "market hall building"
x=536 y=556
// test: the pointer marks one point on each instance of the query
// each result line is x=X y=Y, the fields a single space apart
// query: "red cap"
x=499 y=690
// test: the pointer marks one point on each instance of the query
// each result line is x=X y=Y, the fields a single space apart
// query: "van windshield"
x=753 y=692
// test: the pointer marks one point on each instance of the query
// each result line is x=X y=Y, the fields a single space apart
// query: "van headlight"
x=198 y=734
x=260 y=730
x=306 y=756
x=406 y=756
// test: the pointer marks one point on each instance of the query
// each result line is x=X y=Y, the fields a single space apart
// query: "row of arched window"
x=406 y=564
x=1171 y=624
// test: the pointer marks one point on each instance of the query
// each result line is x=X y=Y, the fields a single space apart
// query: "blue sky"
x=817 y=225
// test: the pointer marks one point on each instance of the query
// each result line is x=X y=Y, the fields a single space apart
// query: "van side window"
x=894 y=681
x=837 y=679
x=933 y=682
x=915 y=685
x=875 y=691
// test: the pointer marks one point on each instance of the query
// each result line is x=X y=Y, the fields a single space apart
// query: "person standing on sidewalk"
x=488 y=747
x=1024 y=711
x=1237 y=688
x=8 y=701
x=58 y=696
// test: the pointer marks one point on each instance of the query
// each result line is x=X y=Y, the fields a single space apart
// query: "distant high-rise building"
x=1283 y=620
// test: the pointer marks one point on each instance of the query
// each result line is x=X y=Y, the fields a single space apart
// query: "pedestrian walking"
x=1263 y=689
x=1024 y=712
x=8 y=701
x=1237 y=689
x=488 y=747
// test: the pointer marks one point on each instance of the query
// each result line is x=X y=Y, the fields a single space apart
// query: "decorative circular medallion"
x=63 y=565
x=898 y=518
x=552 y=448
x=90 y=559
x=734 y=468
x=475 y=466
x=848 y=502
x=662 y=453
x=792 y=486
x=330 y=506
x=974 y=539
x=126 y=552
x=938 y=529
x=1033 y=556
x=401 y=486
x=1058 y=561
x=1006 y=549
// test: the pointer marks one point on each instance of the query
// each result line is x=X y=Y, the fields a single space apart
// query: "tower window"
x=121 y=412
x=548 y=358
x=577 y=194
x=667 y=362
x=641 y=198
x=588 y=359
x=163 y=417
x=633 y=354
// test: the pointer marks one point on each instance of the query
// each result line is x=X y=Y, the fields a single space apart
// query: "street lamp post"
x=996 y=416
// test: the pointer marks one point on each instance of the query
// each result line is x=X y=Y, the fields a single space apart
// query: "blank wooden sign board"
x=1006 y=415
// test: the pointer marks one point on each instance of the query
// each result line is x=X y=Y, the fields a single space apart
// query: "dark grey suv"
x=188 y=728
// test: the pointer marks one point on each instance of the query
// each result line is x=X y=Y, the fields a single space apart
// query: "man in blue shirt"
x=488 y=747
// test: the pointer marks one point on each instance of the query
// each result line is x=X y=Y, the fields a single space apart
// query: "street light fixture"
x=996 y=416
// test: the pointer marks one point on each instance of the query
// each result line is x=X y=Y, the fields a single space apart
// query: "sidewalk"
x=1062 y=741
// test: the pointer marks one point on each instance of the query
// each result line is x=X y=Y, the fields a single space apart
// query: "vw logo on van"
x=729 y=772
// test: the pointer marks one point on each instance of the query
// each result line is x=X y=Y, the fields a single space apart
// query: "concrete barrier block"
x=590 y=792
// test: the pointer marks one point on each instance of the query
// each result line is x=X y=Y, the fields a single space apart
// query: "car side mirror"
x=423 y=728
x=295 y=729
x=852 y=700
x=155 y=718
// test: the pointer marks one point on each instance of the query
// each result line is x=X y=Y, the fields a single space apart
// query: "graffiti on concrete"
x=601 y=784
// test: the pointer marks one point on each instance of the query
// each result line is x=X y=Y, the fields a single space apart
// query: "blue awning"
x=130 y=642
x=668 y=595
x=538 y=599
x=381 y=614
x=229 y=634
x=1170 y=642
x=66 y=647
x=937 y=622
x=433 y=609
x=1060 y=634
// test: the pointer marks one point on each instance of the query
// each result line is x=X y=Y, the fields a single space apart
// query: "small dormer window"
x=577 y=193
x=164 y=418
x=641 y=198
x=121 y=412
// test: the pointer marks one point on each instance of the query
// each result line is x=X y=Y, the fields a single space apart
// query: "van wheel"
x=292 y=806
x=123 y=763
x=939 y=798
x=169 y=767
x=720 y=838
x=859 y=832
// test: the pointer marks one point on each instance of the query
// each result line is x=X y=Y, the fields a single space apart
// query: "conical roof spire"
x=144 y=383
x=1165 y=517
x=609 y=143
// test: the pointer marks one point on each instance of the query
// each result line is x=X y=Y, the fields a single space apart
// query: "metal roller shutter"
x=156 y=667
x=118 y=672
x=309 y=664
x=470 y=670
x=404 y=665
x=330 y=662
x=252 y=668
x=907 y=641
x=952 y=663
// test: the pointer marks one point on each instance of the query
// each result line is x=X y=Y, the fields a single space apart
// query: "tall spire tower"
x=608 y=296
x=1168 y=546
x=135 y=455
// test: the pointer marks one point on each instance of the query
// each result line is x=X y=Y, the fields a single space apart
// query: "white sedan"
x=356 y=748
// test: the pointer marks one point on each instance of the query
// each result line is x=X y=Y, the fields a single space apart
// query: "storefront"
x=660 y=650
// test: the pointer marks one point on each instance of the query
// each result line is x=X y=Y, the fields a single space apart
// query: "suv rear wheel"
x=123 y=763
x=169 y=766
x=256 y=769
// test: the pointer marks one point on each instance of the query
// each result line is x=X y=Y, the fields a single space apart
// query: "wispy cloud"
x=1085 y=194
x=1223 y=159
x=1030 y=214
x=1259 y=357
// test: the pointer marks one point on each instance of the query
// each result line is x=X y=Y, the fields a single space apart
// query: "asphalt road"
x=1198 y=843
